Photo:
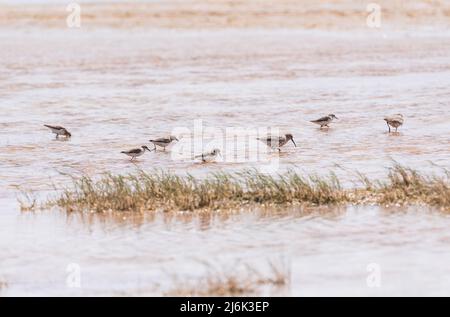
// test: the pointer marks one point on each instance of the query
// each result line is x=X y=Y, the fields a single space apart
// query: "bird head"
x=333 y=116
x=290 y=137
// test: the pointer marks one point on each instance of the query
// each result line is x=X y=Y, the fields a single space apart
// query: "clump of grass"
x=243 y=282
x=160 y=190
x=406 y=185
x=27 y=200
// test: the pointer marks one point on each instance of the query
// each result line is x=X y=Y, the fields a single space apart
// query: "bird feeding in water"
x=59 y=131
x=325 y=121
x=209 y=156
x=276 y=142
x=163 y=142
x=136 y=152
x=394 y=121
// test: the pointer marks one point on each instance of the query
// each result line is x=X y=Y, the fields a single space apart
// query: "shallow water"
x=114 y=90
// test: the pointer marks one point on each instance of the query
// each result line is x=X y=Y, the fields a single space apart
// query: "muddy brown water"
x=115 y=89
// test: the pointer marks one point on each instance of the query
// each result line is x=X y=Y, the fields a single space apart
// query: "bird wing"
x=161 y=140
x=134 y=151
x=56 y=127
x=323 y=119
x=396 y=119
x=203 y=155
x=270 y=138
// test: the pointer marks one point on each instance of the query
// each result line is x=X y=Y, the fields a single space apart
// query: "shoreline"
x=291 y=14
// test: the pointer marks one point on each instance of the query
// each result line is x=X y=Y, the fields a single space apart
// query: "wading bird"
x=136 y=152
x=209 y=156
x=58 y=130
x=394 y=121
x=276 y=142
x=325 y=121
x=163 y=142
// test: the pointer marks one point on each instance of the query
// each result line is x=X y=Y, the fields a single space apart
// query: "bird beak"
x=336 y=117
x=294 y=142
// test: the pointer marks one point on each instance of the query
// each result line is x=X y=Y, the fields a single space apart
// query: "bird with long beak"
x=394 y=121
x=163 y=142
x=136 y=152
x=276 y=142
x=58 y=130
x=325 y=121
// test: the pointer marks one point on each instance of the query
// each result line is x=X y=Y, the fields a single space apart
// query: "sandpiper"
x=394 y=121
x=58 y=130
x=276 y=142
x=325 y=121
x=163 y=142
x=209 y=156
x=136 y=152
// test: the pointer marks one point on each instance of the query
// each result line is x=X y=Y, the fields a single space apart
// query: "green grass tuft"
x=161 y=190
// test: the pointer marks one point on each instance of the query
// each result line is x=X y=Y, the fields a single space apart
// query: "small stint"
x=276 y=142
x=59 y=130
x=325 y=121
x=164 y=191
x=163 y=142
x=136 y=152
x=208 y=156
x=394 y=121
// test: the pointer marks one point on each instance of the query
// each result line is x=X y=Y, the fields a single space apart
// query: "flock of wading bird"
x=274 y=142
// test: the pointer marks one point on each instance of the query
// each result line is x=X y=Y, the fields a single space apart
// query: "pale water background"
x=115 y=89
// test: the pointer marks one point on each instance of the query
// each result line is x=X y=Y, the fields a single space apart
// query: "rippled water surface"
x=114 y=90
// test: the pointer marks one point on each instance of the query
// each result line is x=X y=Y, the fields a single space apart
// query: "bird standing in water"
x=58 y=130
x=136 y=152
x=394 y=121
x=163 y=142
x=209 y=156
x=325 y=121
x=276 y=142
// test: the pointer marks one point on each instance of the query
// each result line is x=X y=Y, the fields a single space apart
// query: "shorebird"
x=209 y=156
x=394 y=121
x=58 y=130
x=163 y=142
x=136 y=152
x=276 y=142
x=325 y=121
